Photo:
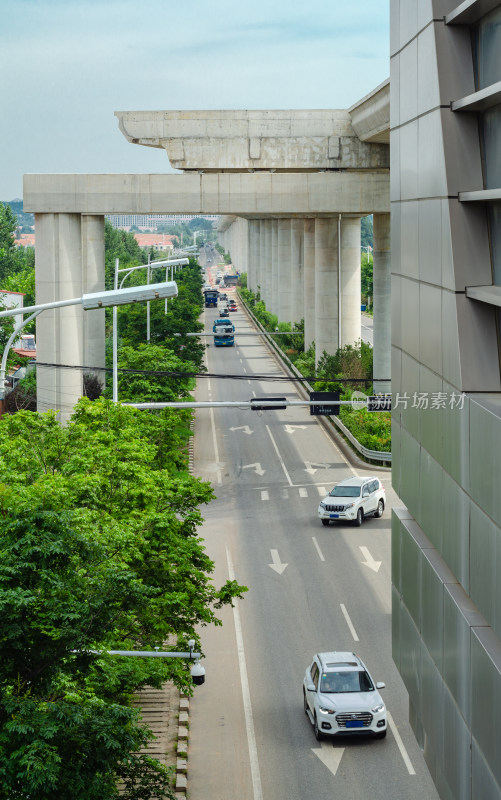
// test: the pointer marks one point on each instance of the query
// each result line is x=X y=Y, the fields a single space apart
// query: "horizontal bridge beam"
x=253 y=195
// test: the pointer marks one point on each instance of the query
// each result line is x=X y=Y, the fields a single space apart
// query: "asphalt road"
x=310 y=589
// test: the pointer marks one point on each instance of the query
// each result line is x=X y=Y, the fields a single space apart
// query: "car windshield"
x=345 y=491
x=346 y=681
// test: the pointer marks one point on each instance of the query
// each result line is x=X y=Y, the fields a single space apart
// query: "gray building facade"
x=445 y=146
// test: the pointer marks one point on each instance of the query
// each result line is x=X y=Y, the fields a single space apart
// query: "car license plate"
x=354 y=723
x=334 y=516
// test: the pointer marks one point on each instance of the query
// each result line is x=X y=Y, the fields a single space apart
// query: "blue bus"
x=223 y=331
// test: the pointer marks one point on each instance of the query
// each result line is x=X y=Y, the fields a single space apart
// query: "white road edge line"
x=249 y=724
x=400 y=744
x=320 y=554
x=213 y=428
x=349 y=623
x=279 y=456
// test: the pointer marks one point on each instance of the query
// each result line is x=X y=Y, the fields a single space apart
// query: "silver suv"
x=340 y=697
x=352 y=500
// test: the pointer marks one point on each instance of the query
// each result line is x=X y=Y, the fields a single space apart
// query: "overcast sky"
x=67 y=65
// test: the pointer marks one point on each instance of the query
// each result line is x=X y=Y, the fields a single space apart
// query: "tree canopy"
x=99 y=550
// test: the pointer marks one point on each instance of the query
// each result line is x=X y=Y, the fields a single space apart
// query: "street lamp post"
x=116 y=297
x=128 y=271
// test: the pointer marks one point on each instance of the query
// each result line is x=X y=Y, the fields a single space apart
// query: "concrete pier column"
x=273 y=307
x=268 y=246
x=337 y=316
x=59 y=331
x=253 y=261
x=93 y=281
x=284 y=276
x=382 y=302
x=262 y=259
x=297 y=268
x=309 y=282
x=351 y=281
x=326 y=286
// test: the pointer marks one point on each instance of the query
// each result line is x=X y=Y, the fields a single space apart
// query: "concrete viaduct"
x=291 y=187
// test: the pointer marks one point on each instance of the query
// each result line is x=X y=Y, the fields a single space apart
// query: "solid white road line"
x=213 y=428
x=279 y=456
x=249 y=724
x=320 y=554
x=349 y=623
x=400 y=744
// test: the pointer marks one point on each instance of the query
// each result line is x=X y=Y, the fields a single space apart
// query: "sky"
x=68 y=65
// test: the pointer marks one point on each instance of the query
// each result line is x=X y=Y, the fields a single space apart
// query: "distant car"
x=222 y=296
x=232 y=306
x=352 y=500
x=224 y=312
x=341 y=698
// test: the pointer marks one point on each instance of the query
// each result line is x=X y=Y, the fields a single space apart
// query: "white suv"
x=340 y=697
x=353 y=499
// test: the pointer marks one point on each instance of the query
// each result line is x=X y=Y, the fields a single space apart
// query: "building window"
x=487 y=49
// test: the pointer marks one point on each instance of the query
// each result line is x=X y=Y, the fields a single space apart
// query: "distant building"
x=153 y=221
x=158 y=241
x=25 y=240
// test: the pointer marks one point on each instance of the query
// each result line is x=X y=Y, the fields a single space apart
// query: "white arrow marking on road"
x=244 y=428
x=330 y=756
x=309 y=467
x=292 y=428
x=277 y=565
x=369 y=562
x=256 y=467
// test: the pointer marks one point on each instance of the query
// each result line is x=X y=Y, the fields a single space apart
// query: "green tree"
x=99 y=550
x=10 y=261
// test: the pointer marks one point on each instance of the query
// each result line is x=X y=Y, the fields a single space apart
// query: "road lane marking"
x=310 y=469
x=278 y=565
x=279 y=456
x=244 y=428
x=349 y=623
x=322 y=491
x=400 y=744
x=265 y=495
x=303 y=492
x=256 y=467
x=216 y=451
x=318 y=549
x=369 y=560
x=244 y=680
x=329 y=755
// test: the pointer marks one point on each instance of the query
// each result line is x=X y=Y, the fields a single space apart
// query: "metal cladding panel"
x=409 y=484
x=409 y=139
x=428 y=90
x=411 y=573
x=451 y=362
x=431 y=479
x=483 y=782
x=430 y=384
x=411 y=416
x=430 y=240
x=485 y=447
x=459 y=616
x=455 y=522
x=395 y=455
x=457 y=752
x=409 y=232
x=432 y=698
x=396 y=548
x=410 y=657
x=456 y=439
x=430 y=326
x=410 y=318
x=408 y=71
x=486 y=699
x=396 y=638
x=485 y=555
x=432 y=610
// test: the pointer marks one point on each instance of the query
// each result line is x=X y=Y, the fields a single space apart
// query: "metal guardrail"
x=371 y=455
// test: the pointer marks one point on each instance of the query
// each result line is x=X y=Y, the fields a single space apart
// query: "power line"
x=224 y=375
